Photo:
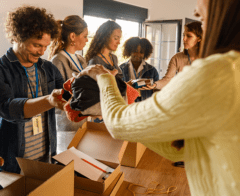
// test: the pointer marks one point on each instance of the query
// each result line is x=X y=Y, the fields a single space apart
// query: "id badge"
x=37 y=124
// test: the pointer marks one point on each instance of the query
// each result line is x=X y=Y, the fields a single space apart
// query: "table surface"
x=151 y=169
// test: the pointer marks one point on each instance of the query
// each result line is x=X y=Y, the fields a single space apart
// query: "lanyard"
x=107 y=60
x=136 y=76
x=74 y=61
x=36 y=74
x=189 y=58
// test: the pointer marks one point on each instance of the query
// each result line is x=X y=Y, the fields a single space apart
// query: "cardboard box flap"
x=91 y=169
x=113 y=188
x=94 y=126
x=131 y=153
x=13 y=184
x=60 y=184
x=36 y=169
x=94 y=140
x=7 y=178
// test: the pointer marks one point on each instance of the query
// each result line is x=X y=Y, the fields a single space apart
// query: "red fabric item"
x=67 y=85
x=132 y=94
x=72 y=115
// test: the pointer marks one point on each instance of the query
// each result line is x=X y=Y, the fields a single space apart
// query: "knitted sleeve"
x=192 y=103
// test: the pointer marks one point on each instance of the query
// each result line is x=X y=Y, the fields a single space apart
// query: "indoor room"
x=119 y=97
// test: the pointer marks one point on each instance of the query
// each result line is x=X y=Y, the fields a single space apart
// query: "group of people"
x=200 y=105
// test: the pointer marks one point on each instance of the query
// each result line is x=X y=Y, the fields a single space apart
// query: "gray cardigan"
x=65 y=64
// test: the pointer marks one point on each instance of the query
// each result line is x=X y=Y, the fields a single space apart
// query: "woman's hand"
x=130 y=82
x=148 y=87
x=96 y=70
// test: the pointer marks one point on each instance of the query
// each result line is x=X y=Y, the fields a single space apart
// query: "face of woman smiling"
x=114 y=40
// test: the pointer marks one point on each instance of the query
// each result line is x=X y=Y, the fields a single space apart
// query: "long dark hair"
x=196 y=28
x=101 y=38
x=71 y=24
x=222 y=33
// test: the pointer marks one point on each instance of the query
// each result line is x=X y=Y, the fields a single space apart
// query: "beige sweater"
x=65 y=64
x=67 y=68
x=176 y=64
x=200 y=105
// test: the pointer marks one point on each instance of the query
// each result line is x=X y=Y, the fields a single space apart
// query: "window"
x=129 y=17
x=165 y=37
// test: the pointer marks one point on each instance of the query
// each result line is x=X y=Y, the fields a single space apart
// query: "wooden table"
x=152 y=167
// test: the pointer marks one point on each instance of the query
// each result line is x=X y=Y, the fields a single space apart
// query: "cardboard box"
x=111 y=190
x=94 y=139
x=84 y=183
x=39 y=179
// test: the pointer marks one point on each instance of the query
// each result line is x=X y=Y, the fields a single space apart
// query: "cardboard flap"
x=7 y=178
x=31 y=184
x=94 y=140
x=60 y=184
x=129 y=156
x=13 y=184
x=91 y=169
x=140 y=151
x=131 y=153
x=114 y=186
x=38 y=170
x=95 y=126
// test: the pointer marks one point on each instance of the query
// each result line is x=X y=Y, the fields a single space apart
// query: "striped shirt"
x=36 y=146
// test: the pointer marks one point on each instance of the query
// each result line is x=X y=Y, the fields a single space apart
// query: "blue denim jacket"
x=14 y=93
x=148 y=72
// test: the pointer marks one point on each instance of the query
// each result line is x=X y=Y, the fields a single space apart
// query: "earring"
x=73 y=43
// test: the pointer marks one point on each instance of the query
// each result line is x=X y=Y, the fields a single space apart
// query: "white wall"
x=158 y=10
x=60 y=9
x=166 y=9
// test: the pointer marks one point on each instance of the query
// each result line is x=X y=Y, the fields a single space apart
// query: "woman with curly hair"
x=139 y=49
x=104 y=42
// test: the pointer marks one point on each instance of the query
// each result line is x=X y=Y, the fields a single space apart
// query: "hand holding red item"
x=74 y=115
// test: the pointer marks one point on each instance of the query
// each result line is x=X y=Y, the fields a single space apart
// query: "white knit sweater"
x=199 y=105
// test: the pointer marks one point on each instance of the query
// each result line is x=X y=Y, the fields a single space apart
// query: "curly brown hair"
x=132 y=43
x=71 y=24
x=29 y=21
x=101 y=38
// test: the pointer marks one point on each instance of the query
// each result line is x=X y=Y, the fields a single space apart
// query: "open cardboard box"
x=92 y=183
x=94 y=140
x=112 y=190
x=39 y=179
